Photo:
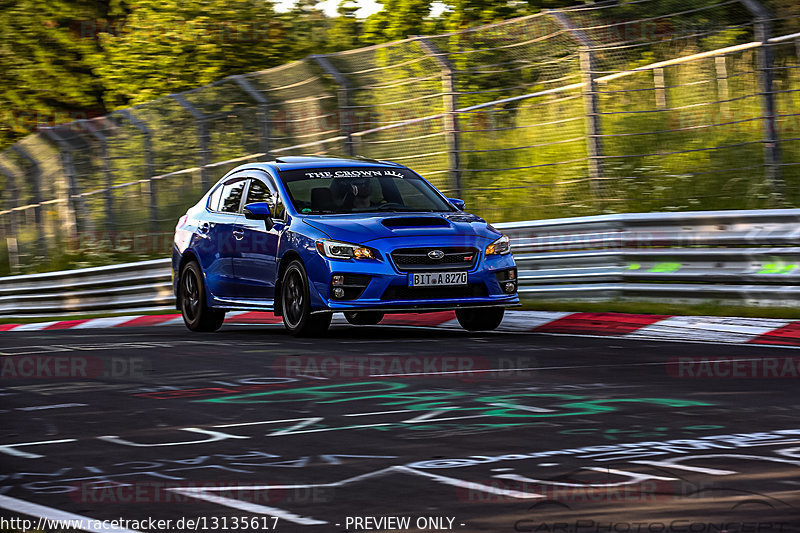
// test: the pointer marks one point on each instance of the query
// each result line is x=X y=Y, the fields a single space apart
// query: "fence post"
x=12 y=201
x=766 y=65
x=262 y=111
x=797 y=53
x=450 y=105
x=345 y=104
x=660 y=88
x=108 y=174
x=149 y=166
x=77 y=214
x=36 y=175
x=594 y=140
x=203 y=137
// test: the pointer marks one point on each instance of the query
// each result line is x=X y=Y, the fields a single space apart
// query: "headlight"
x=499 y=247
x=343 y=250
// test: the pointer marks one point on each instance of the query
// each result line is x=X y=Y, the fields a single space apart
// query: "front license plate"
x=428 y=279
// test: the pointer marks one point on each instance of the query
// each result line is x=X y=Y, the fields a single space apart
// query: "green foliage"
x=397 y=20
x=174 y=45
x=44 y=60
x=346 y=29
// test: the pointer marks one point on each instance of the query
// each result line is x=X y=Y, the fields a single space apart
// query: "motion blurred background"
x=116 y=116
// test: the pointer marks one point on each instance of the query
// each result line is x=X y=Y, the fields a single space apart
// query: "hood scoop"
x=415 y=222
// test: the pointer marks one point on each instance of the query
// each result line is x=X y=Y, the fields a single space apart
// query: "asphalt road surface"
x=395 y=429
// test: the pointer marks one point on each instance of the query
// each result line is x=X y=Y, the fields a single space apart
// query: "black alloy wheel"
x=191 y=294
x=296 y=304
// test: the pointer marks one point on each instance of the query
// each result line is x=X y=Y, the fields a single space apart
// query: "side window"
x=232 y=196
x=213 y=201
x=261 y=192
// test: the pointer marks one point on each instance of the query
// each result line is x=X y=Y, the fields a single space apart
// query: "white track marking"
x=10 y=448
x=202 y=493
x=522 y=407
x=304 y=421
x=48 y=513
x=380 y=412
x=528 y=320
x=249 y=507
x=707 y=328
x=470 y=485
x=171 y=322
x=54 y=406
x=34 y=327
x=107 y=322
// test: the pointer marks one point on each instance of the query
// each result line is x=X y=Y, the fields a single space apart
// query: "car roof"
x=303 y=162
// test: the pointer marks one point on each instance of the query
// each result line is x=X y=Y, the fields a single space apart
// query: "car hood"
x=366 y=227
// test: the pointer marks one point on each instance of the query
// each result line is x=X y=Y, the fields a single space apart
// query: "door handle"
x=238 y=234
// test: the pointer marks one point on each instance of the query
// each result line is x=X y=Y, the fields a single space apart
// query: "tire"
x=480 y=319
x=364 y=318
x=192 y=300
x=296 y=304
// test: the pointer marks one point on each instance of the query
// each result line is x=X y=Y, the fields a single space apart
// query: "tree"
x=346 y=28
x=45 y=48
x=397 y=20
x=173 y=45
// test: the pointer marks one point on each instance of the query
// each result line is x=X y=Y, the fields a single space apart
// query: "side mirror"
x=458 y=204
x=259 y=211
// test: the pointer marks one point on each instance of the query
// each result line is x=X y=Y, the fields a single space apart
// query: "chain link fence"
x=638 y=106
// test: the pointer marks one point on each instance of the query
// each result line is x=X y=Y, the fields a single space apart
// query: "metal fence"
x=743 y=257
x=644 y=105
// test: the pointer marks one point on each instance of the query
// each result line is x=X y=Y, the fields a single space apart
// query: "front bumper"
x=387 y=287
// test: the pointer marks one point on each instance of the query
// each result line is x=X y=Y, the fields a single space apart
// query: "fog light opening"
x=338 y=292
x=509 y=287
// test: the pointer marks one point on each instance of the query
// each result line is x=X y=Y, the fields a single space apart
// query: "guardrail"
x=752 y=257
x=134 y=287
x=749 y=256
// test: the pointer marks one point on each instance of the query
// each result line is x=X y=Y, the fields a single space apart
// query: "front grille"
x=401 y=292
x=455 y=258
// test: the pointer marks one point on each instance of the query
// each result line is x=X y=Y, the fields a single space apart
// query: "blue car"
x=306 y=237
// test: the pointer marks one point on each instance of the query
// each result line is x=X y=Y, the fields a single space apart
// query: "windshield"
x=360 y=190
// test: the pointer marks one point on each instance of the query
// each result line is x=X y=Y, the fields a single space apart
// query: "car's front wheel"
x=296 y=304
x=192 y=297
x=363 y=318
x=480 y=319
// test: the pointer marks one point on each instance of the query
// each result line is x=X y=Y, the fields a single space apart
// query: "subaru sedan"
x=306 y=237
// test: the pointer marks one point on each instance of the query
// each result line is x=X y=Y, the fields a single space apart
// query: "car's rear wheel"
x=192 y=297
x=480 y=319
x=296 y=304
x=363 y=318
